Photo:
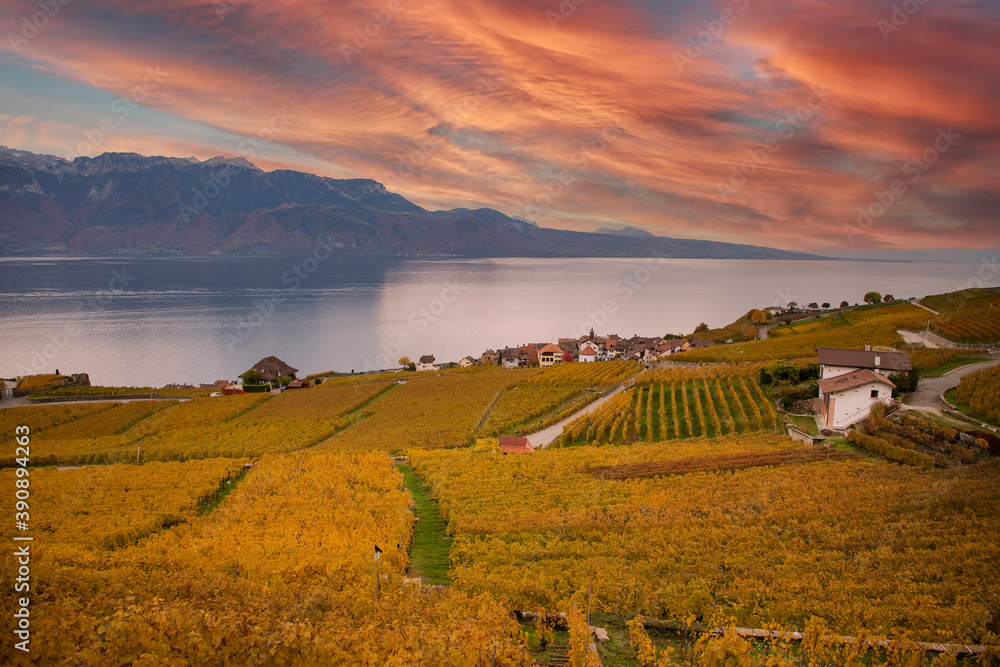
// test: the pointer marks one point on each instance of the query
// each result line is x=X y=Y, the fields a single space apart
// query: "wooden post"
x=586 y=639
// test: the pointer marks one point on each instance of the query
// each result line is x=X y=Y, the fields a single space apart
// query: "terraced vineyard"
x=566 y=387
x=752 y=527
x=674 y=405
x=849 y=330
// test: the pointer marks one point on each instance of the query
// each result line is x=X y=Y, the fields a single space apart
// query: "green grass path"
x=429 y=550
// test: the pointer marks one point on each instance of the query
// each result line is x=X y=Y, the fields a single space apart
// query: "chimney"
x=878 y=360
x=868 y=348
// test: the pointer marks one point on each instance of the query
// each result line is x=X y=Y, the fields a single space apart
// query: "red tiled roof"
x=550 y=348
x=852 y=380
x=510 y=444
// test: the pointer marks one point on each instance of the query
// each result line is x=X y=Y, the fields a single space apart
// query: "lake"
x=151 y=321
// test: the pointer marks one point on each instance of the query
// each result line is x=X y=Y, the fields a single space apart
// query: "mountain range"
x=129 y=203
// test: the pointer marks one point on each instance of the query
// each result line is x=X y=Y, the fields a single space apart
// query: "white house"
x=849 y=397
x=426 y=363
x=834 y=362
x=588 y=353
x=509 y=357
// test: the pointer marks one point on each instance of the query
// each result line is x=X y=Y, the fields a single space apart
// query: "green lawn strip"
x=805 y=424
x=950 y=366
x=208 y=505
x=431 y=543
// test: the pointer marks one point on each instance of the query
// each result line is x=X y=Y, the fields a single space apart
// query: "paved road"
x=928 y=393
x=23 y=400
x=916 y=302
x=544 y=438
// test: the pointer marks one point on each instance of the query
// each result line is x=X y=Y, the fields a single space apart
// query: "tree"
x=404 y=361
x=844 y=304
x=701 y=327
x=826 y=304
x=411 y=366
x=887 y=298
x=873 y=297
x=252 y=376
x=813 y=305
x=792 y=305
x=284 y=380
x=759 y=316
x=749 y=332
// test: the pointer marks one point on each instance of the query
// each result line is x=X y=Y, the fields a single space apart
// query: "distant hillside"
x=124 y=202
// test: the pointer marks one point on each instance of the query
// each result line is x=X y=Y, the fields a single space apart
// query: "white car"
x=216 y=393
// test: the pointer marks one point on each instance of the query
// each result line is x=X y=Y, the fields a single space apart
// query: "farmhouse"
x=426 y=363
x=849 y=397
x=272 y=368
x=834 y=362
x=465 y=362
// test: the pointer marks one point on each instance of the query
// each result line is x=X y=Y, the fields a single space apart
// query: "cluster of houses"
x=587 y=348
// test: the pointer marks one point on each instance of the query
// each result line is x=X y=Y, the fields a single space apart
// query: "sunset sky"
x=744 y=121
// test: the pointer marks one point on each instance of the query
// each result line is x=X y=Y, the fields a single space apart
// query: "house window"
x=874 y=393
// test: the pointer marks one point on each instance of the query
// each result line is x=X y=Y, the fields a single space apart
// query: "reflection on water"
x=151 y=321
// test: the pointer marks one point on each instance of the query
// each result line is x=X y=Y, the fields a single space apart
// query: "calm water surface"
x=153 y=321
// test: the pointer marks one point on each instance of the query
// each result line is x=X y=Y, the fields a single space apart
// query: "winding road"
x=928 y=393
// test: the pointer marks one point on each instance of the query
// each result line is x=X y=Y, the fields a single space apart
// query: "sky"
x=857 y=127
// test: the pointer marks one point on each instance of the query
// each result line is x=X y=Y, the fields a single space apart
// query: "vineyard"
x=849 y=330
x=565 y=386
x=281 y=573
x=981 y=392
x=326 y=400
x=427 y=412
x=854 y=542
x=42 y=417
x=108 y=507
x=29 y=382
x=969 y=316
x=913 y=440
x=582 y=375
x=678 y=403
